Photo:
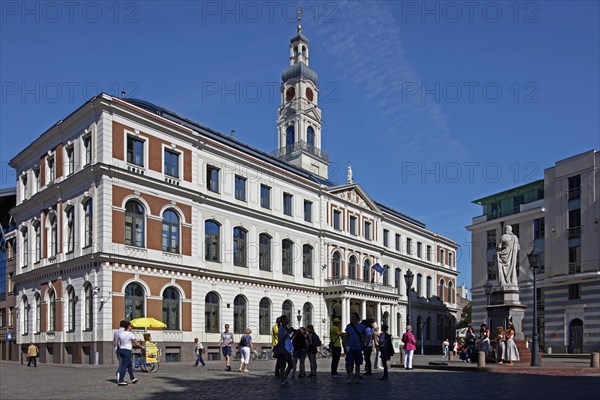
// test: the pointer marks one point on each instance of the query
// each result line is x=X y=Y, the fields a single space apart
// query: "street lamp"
x=408 y=279
x=488 y=288
x=422 y=337
x=534 y=260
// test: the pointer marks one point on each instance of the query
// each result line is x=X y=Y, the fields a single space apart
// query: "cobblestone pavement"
x=182 y=381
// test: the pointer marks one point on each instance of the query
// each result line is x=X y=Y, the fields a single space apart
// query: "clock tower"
x=299 y=116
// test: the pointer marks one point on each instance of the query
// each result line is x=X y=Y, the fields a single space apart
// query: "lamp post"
x=488 y=288
x=422 y=337
x=408 y=279
x=534 y=259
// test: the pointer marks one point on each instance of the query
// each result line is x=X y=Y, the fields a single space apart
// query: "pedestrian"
x=469 y=345
x=511 y=351
x=313 y=348
x=368 y=345
x=376 y=334
x=284 y=357
x=274 y=341
x=484 y=340
x=300 y=342
x=127 y=342
x=409 y=347
x=32 y=354
x=225 y=343
x=335 y=335
x=386 y=350
x=246 y=346
x=445 y=347
x=199 y=349
x=116 y=333
x=353 y=345
x=500 y=345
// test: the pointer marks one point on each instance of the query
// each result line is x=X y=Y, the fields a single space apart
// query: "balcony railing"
x=360 y=284
x=574 y=232
x=503 y=213
x=574 y=193
x=291 y=149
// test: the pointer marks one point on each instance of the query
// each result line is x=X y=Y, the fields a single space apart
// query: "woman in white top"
x=127 y=342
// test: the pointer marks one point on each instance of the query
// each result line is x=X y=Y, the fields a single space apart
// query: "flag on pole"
x=377 y=267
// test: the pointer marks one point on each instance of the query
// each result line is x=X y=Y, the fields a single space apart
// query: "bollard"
x=481 y=359
x=451 y=356
x=595 y=360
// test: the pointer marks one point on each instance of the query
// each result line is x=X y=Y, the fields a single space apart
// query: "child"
x=386 y=350
x=199 y=350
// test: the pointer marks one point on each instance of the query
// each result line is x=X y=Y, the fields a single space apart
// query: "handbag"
x=279 y=348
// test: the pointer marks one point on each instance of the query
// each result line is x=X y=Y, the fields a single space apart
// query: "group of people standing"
x=506 y=351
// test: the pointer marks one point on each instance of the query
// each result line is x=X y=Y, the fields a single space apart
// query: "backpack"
x=316 y=340
x=243 y=341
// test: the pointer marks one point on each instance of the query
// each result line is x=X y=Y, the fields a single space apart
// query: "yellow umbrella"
x=147 y=322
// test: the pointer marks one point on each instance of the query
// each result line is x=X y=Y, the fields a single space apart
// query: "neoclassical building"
x=126 y=209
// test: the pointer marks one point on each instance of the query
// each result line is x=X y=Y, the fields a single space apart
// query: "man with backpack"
x=368 y=345
x=314 y=342
x=354 y=346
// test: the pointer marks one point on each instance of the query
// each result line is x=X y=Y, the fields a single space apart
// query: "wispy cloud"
x=366 y=44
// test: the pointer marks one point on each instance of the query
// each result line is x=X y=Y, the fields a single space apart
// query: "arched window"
x=38 y=313
x=240 y=312
x=211 y=312
x=88 y=308
x=71 y=309
x=397 y=278
x=307 y=311
x=287 y=257
x=310 y=138
x=135 y=224
x=170 y=308
x=441 y=290
x=239 y=247
x=135 y=297
x=336 y=265
x=352 y=272
x=450 y=292
x=385 y=318
x=26 y=320
x=170 y=232
x=428 y=329
x=287 y=309
x=367 y=271
x=307 y=261
x=52 y=310
x=419 y=283
x=70 y=228
x=386 y=275
x=211 y=240
x=428 y=287
x=88 y=223
x=264 y=252
x=264 y=316
x=290 y=136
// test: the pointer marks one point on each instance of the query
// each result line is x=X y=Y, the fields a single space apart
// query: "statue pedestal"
x=506 y=305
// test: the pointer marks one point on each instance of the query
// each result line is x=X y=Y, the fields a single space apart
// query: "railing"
x=300 y=146
x=360 y=284
x=574 y=232
x=574 y=193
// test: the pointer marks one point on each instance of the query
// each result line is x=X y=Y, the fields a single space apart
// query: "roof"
x=299 y=36
x=505 y=193
x=299 y=70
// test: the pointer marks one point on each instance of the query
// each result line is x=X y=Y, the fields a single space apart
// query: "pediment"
x=356 y=195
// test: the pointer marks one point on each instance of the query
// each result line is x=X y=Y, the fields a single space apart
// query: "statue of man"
x=349 y=177
x=506 y=255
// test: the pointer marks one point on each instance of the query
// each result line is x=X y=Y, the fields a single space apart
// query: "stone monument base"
x=499 y=314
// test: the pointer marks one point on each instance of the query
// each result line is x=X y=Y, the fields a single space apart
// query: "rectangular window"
x=539 y=228
x=496 y=210
x=367 y=230
x=38 y=243
x=574 y=259
x=429 y=253
x=24 y=183
x=287 y=204
x=575 y=223
x=212 y=178
x=265 y=196
x=441 y=258
x=87 y=148
x=385 y=237
x=308 y=211
x=409 y=246
x=517 y=201
x=516 y=229
x=240 y=188
x=450 y=259
x=419 y=249
x=491 y=271
x=70 y=160
x=491 y=239
x=352 y=225
x=574 y=291
x=51 y=171
x=36 y=175
x=398 y=242
x=574 y=187
x=337 y=216
x=171 y=164
x=135 y=151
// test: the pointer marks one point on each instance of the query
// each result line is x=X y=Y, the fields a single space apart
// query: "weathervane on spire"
x=300 y=13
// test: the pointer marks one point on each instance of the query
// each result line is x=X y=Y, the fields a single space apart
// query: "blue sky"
x=434 y=104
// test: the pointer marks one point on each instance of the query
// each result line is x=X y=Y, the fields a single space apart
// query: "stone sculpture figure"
x=507 y=252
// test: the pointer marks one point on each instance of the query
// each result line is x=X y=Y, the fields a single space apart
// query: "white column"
x=378 y=311
x=345 y=311
x=363 y=309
